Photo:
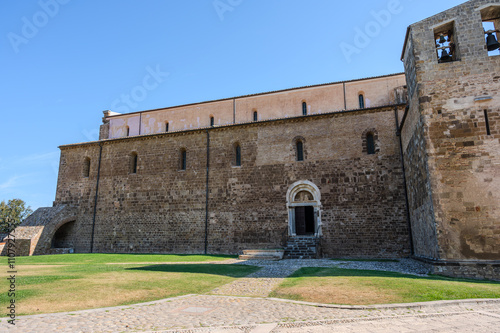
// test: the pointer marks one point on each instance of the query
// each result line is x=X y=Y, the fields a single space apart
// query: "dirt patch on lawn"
x=339 y=292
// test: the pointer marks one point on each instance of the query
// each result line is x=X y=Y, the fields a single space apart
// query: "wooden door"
x=300 y=220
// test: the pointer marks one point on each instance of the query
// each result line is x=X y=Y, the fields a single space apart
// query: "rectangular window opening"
x=446 y=44
x=300 y=151
x=238 y=156
x=183 y=160
x=491 y=26
x=486 y=120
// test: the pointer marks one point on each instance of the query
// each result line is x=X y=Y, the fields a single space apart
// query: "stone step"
x=265 y=251
x=301 y=248
x=256 y=257
x=262 y=254
x=300 y=257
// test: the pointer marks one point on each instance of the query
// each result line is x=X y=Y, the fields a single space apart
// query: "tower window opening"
x=446 y=44
x=491 y=27
x=491 y=37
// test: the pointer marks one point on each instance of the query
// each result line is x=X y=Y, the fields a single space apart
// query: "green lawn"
x=349 y=286
x=82 y=281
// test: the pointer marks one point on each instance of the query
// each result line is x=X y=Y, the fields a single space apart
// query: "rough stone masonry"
x=392 y=166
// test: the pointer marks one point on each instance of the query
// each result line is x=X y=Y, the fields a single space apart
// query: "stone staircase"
x=264 y=254
x=302 y=247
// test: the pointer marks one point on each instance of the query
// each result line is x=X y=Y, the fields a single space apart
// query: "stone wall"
x=449 y=137
x=469 y=270
x=162 y=208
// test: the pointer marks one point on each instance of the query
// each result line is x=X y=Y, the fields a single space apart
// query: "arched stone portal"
x=304 y=209
x=63 y=237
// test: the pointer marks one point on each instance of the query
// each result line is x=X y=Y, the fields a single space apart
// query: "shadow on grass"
x=106 y=258
x=235 y=271
x=364 y=260
x=346 y=272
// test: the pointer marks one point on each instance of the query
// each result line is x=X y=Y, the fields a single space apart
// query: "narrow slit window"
x=300 y=150
x=212 y=121
x=487 y=122
x=304 y=108
x=133 y=163
x=183 y=159
x=128 y=131
x=361 y=101
x=255 y=116
x=86 y=168
x=166 y=126
x=238 y=155
x=370 y=144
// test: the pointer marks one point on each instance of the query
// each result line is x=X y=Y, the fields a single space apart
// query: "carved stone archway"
x=304 y=194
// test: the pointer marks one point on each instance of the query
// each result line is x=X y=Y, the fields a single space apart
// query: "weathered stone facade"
x=163 y=209
x=398 y=165
x=452 y=159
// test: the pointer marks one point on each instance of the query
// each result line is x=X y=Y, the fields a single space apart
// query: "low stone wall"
x=60 y=251
x=19 y=247
x=470 y=269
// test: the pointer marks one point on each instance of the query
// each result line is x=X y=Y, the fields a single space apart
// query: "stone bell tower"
x=451 y=136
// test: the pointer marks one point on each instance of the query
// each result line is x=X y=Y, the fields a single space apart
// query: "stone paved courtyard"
x=217 y=313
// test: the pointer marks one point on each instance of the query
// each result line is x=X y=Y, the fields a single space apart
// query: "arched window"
x=370 y=144
x=133 y=163
x=183 y=161
x=212 y=121
x=300 y=150
x=237 y=155
x=255 y=116
x=361 y=101
x=86 y=167
x=304 y=108
x=166 y=126
x=128 y=131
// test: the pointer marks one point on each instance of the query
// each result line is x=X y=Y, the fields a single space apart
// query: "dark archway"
x=304 y=220
x=63 y=237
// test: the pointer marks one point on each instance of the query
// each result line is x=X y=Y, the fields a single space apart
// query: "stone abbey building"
x=392 y=166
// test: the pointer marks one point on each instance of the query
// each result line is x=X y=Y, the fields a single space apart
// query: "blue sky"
x=65 y=61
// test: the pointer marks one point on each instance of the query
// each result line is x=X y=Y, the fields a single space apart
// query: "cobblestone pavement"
x=214 y=313
x=260 y=283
